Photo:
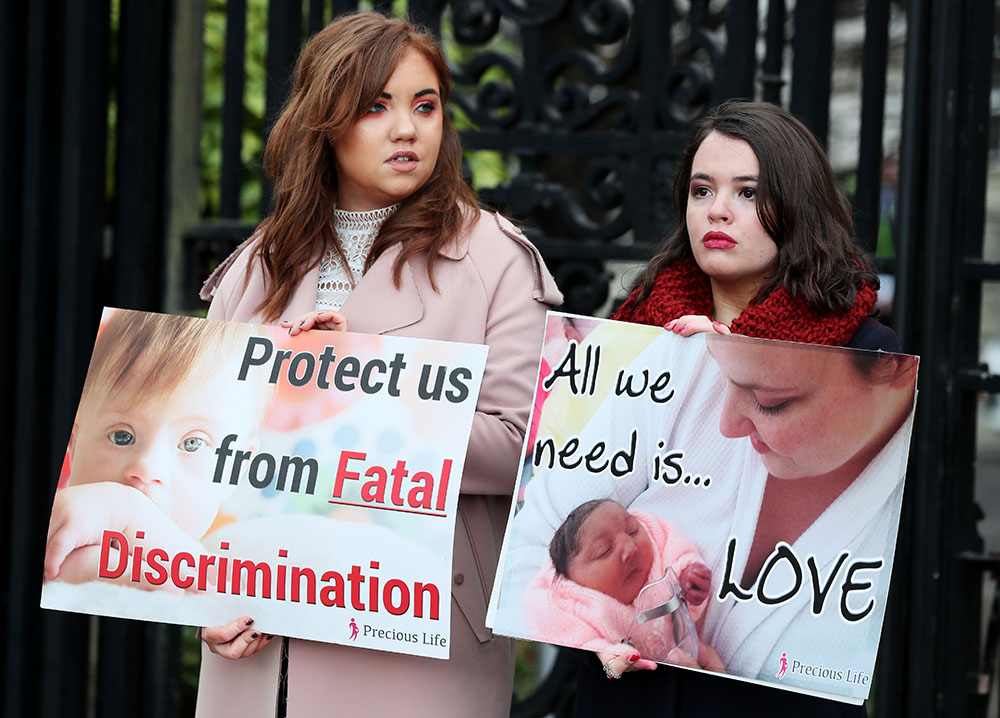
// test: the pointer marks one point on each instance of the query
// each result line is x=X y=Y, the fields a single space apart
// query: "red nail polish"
x=633 y=658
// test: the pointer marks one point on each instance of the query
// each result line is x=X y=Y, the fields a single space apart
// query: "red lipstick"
x=718 y=240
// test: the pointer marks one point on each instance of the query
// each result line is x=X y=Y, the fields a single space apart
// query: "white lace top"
x=357 y=232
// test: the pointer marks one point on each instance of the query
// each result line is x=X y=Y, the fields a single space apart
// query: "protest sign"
x=218 y=469
x=717 y=502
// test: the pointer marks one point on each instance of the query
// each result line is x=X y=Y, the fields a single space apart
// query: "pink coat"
x=494 y=289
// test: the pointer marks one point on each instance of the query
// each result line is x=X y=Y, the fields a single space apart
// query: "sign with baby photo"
x=218 y=469
x=715 y=502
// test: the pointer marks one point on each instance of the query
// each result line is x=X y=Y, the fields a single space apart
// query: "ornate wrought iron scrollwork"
x=576 y=104
x=603 y=21
x=584 y=284
x=495 y=103
x=474 y=22
x=687 y=84
x=531 y=12
x=684 y=92
x=583 y=86
x=594 y=209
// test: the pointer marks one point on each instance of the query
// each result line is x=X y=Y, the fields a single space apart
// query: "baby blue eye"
x=121 y=437
x=191 y=444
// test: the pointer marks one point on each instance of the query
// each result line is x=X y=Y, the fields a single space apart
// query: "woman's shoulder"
x=495 y=246
x=233 y=293
x=874 y=336
x=490 y=234
x=230 y=269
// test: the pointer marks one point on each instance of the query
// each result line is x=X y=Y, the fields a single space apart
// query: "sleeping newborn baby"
x=600 y=559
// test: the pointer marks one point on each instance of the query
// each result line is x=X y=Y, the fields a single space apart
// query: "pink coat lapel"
x=376 y=305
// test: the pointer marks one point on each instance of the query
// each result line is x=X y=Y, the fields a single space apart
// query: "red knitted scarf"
x=682 y=288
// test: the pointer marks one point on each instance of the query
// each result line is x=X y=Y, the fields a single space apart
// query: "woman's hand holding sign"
x=695 y=324
x=322 y=319
x=238 y=639
x=615 y=666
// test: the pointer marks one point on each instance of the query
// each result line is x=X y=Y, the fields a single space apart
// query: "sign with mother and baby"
x=717 y=502
x=218 y=469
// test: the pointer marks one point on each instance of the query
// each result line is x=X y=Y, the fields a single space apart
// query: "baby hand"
x=694 y=324
x=696 y=582
x=323 y=319
x=80 y=514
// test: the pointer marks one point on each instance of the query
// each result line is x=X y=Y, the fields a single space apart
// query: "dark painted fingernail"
x=249 y=622
x=254 y=634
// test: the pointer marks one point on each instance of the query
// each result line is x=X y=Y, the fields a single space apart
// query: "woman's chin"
x=779 y=469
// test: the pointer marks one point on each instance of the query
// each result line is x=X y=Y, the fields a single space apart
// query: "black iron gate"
x=587 y=102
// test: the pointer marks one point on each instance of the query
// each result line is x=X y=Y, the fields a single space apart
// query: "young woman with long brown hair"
x=374 y=229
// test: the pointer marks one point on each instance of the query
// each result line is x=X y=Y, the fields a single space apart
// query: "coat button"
x=459 y=579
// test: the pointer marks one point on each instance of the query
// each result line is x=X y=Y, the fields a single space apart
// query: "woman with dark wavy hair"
x=764 y=246
x=374 y=229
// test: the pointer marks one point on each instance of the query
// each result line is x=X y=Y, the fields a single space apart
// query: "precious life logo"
x=782 y=665
x=354 y=630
